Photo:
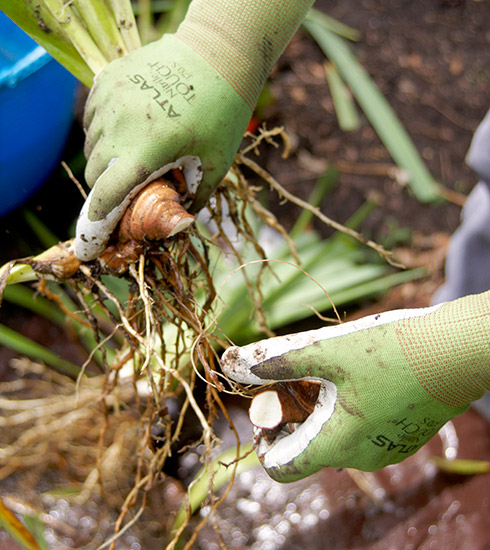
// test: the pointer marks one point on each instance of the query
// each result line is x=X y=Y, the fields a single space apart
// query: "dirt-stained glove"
x=389 y=382
x=183 y=101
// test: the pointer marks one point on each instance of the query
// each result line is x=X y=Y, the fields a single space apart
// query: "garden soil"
x=431 y=59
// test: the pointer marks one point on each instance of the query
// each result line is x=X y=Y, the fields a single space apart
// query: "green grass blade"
x=84 y=334
x=36 y=528
x=26 y=297
x=314 y=251
x=21 y=344
x=360 y=284
x=333 y=25
x=40 y=24
x=222 y=471
x=323 y=186
x=461 y=466
x=344 y=105
x=377 y=286
x=46 y=237
x=16 y=529
x=378 y=111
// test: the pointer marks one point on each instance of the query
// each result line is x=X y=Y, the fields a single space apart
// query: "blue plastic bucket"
x=37 y=98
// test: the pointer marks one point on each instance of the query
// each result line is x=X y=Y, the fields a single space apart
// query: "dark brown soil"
x=431 y=61
x=424 y=509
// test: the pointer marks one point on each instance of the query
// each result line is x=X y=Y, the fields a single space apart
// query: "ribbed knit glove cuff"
x=449 y=350
x=242 y=39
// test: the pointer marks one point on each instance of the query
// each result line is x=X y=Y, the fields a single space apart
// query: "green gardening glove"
x=389 y=383
x=183 y=101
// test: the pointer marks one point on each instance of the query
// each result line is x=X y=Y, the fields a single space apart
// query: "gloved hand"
x=158 y=108
x=389 y=382
x=184 y=100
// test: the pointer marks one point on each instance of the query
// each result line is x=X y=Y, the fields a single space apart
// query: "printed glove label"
x=169 y=85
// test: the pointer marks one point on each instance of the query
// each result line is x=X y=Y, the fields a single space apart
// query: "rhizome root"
x=153 y=363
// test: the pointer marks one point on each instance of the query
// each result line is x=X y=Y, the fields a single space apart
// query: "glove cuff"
x=242 y=40
x=449 y=350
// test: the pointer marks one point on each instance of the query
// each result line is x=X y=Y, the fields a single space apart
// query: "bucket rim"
x=33 y=61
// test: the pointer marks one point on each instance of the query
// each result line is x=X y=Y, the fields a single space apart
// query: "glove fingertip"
x=91 y=237
x=266 y=361
x=236 y=364
x=95 y=224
